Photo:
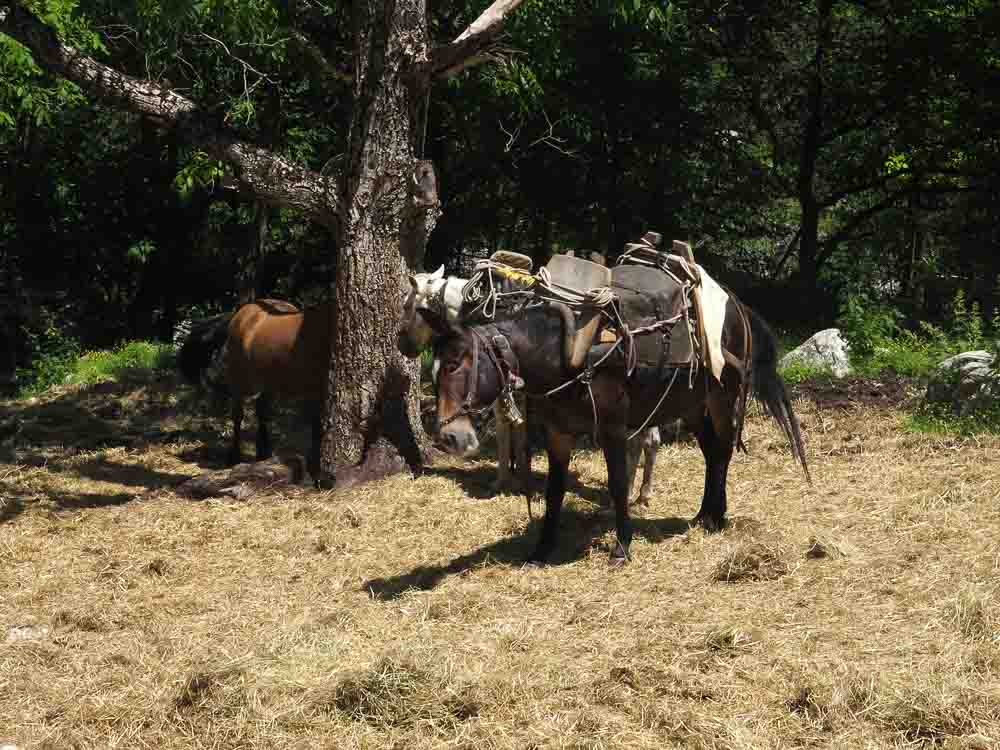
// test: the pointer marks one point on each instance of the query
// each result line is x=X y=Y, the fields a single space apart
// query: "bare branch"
x=270 y=177
x=472 y=46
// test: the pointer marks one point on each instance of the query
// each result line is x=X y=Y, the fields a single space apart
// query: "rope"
x=658 y=404
x=427 y=111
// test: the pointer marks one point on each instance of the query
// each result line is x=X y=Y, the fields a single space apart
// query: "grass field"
x=860 y=612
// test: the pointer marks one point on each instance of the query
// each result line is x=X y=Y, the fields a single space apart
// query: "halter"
x=506 y=367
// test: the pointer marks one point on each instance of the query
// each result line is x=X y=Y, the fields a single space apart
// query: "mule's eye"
x=451 y=365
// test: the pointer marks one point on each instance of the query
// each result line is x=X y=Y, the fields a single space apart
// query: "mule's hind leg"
x=265 y=410
x=632 y=452
x=615 y=447
x=717 y=450
x=559 y=446
x=650 y=445
x=237 y=415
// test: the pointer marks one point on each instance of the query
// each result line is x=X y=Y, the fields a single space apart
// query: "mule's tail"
x=769 y=388
x=202 y=354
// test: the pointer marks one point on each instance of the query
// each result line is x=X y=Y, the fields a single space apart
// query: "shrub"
x=59 y=361
x=799 y=372
x=131 y=355
x=867 y=324
x=55 y=357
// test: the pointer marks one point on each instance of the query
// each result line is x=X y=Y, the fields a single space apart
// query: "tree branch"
x=271 y=178
x=471 y=47
x=314 y=57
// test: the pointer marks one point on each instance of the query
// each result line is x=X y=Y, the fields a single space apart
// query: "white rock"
x=967 y=381
x=826 y=349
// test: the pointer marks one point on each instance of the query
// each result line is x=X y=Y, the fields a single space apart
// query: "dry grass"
x=860 y=612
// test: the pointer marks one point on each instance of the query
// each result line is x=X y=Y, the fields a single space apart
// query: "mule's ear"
x=413 y=282
x=438 y=274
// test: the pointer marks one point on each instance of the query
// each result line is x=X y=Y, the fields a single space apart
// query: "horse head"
x=424 y=306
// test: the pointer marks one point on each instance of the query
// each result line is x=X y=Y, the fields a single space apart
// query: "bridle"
x=501 y=356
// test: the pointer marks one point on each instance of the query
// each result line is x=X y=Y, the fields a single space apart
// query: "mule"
x=475 y=372
x=265 y=348
x=442 y=298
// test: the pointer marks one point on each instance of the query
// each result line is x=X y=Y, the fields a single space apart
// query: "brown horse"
x=265 y=348
x=477 y=363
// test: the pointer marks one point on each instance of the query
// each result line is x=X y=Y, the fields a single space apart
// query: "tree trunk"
x=373 y=391
x=809 y=157
x=250 y=287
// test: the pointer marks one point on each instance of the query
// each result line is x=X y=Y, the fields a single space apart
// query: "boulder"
x=826 y=349
x=967 y=382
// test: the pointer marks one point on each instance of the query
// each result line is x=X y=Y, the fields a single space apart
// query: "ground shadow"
x=101 y=470
x=478 y=482
x=578 y=533
x=80 y=501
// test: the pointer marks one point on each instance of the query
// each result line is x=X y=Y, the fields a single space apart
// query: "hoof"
x=539 y=558
x=709 y=523
x=324 y=482
x=619 y=557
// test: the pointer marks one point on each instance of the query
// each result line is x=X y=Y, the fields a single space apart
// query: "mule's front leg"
x=559 y=446
x=504 y=429
x=615 y=445
x=519 y=447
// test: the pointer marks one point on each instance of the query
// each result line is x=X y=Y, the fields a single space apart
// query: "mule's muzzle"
x=459 y=439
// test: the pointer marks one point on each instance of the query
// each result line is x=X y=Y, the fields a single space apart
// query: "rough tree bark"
x=382 y=207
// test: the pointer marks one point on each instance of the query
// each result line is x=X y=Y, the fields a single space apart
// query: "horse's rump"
x=275 y=347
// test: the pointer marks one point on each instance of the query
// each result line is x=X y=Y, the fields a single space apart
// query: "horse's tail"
x=769 y=388
x=202 y=354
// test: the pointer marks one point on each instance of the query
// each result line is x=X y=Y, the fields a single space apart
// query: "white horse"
x=444 y=294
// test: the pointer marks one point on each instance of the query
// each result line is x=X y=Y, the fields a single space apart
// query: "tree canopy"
x=822 y=144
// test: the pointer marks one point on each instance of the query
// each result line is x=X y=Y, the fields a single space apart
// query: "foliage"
x=878 y=343
x=600 y=121
x=426 y=365
x=941 y=420
x=60 y=361
x=866 y=324
x=799 y=372
x=56 y=355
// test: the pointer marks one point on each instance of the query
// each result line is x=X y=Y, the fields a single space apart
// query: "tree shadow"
x=91 y=500
x=135 y=476
x=579 y=530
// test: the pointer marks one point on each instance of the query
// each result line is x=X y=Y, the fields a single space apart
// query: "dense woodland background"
x=819 y=155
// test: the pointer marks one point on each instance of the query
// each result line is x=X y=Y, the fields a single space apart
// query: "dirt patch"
x=889 y=390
